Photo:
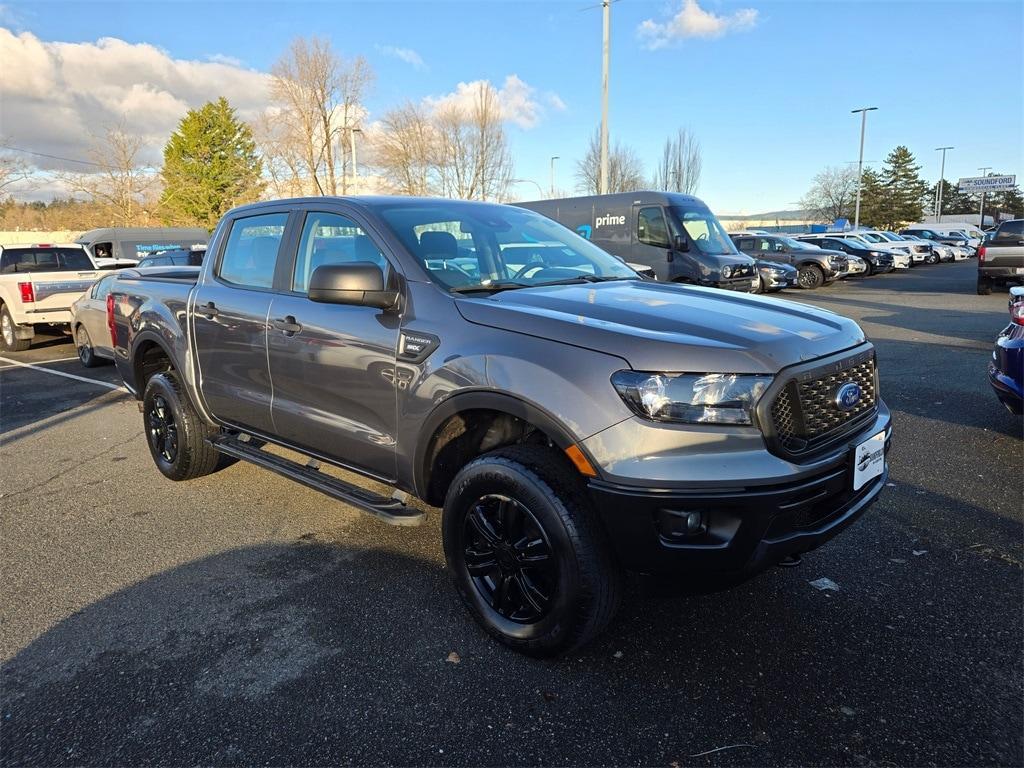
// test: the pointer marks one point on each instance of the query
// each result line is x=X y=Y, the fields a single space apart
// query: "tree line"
x=895 y=195
x=305 y=143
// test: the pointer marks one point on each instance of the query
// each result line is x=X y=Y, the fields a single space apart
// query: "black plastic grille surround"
x=804 y=414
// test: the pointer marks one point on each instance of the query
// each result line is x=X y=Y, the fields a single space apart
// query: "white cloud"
x=408 y=55
x=517 y=99
x=694 y=21
x=57 y=96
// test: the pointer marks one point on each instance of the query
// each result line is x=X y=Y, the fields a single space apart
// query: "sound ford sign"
x=987 y=184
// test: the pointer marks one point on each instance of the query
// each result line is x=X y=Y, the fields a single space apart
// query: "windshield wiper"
x=585 y=279
x=493 y=287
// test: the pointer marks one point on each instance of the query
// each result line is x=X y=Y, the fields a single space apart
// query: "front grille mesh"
x=804 y=414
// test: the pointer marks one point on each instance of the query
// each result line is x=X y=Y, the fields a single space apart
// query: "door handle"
x=209 y=311
x=287 y=325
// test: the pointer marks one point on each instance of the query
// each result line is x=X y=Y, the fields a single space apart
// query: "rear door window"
x=44 y=260
x=250 y=255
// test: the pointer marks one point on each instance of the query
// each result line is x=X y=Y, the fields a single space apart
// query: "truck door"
x=333 y=365
x=230 y=322
x=653 y=243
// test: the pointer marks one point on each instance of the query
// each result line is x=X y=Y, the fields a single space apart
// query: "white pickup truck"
x=38 y=284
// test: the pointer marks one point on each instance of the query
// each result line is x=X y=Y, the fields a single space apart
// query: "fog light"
x=682 y=523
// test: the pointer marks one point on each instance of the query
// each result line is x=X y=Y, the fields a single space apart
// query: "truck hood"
x=666 y=327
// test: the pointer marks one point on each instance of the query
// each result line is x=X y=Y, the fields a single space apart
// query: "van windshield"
x=704 y=231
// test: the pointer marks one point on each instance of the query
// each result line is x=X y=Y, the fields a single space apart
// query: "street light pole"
x=606 y=6
x=942 y=179
x=981 y=213
x=860 y=162
x=553 y=158
x=352 y=146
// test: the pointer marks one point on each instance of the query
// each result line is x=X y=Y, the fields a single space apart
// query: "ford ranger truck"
x=38 y=285
x=570 y=420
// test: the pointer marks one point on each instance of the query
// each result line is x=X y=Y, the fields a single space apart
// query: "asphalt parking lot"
x=240 y=619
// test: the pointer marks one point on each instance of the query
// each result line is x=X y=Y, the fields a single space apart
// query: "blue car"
x=1006 y=369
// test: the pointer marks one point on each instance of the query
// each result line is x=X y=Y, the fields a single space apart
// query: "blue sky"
x=769 y=100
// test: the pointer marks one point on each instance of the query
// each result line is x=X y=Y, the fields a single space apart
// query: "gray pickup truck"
x=1001 y=257
x=572 y=420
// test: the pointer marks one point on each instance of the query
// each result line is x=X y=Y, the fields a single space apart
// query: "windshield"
x=872 y=237
x=704 y=231
x=892 y=236
x=472 y=246
x=796 y=244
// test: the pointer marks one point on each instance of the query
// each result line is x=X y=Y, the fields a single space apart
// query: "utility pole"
x=606 y=7
x=942 y=180
x=981 y=213
x=352 y=146
x=553 y=158
x=860 y=162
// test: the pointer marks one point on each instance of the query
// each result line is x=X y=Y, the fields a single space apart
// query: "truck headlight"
x=726 y=272
x=688 y=398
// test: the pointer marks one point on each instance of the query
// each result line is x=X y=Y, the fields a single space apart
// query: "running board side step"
x=390 y=510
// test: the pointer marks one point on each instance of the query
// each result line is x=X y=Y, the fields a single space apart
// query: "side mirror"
x=360 y=283
x=680 y=243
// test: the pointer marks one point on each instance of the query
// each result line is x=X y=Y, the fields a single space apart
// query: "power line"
x=52 y=157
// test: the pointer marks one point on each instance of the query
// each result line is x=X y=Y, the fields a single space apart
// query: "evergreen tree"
x=953 y=200
x=872 y=200
x=905 y=193
x=210 y=166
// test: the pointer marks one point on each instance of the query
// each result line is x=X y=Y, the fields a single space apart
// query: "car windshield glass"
x=957 y=236
x=871 y=236
x=891 y=236
x=473 y=246
x=794 y=243
x=704 y=230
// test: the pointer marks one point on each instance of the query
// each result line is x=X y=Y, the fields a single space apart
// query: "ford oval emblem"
x=847 y=396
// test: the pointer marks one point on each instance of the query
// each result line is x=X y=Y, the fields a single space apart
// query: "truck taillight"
x=981 y=254
x=28 y=295
x=110 y=320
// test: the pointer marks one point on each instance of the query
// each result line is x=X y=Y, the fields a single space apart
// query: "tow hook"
x=790 y=561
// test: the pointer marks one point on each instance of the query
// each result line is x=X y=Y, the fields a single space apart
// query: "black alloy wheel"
x=509 y=558
x=162 y=429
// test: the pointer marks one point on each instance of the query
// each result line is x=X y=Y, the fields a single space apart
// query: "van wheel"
x=8 y=337
x=526 y=552
x=86 y=353
x=810 y=277
x=177 y=437
x=984 y=286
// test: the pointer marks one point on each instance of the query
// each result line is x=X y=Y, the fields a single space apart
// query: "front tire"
x=8 y=335
x=526 y=552
x=86 y=353
x=176 y=435
x=810 y=277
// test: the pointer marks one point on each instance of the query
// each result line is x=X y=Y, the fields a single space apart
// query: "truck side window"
x=1010 y=230
x=651 y=228
x=251 y=253
x=764 y=244
x=328 y=238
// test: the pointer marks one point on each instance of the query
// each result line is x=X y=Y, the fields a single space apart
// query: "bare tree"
x=320 y=94
x=120 y=182
x=283 y=159
x=475 y=161
x=832 y=194
x=625 y=169
x=406 y=150
x=12 y=168
x=681 y=163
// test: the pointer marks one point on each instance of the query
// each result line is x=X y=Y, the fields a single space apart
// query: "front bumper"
x=742 y=284
x=745 y=528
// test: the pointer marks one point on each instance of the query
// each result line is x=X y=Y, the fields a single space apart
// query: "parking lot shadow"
x=312 y=653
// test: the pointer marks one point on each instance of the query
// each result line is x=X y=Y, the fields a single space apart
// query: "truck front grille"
x=805 y=414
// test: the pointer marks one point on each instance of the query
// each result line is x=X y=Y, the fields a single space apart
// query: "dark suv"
x=815 y=266
x=878 y=261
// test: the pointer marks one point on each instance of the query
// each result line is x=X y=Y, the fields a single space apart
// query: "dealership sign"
x=987 y=184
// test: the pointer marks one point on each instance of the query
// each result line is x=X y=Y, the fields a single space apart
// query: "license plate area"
x=868 y=460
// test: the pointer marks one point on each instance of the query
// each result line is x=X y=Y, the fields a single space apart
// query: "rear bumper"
x=1001 y=273
x=744 y=530
x=43 y=316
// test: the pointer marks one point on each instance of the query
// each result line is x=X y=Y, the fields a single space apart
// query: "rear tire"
x=984 y=286
x=86 y=354
x=8 y=337
x=810 y=276
x=527 y=553
x=176 y=435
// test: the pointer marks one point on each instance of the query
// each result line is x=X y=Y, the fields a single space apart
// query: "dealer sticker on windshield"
x=869 y=460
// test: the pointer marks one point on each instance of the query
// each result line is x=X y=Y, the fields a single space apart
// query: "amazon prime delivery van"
x=676 y=235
